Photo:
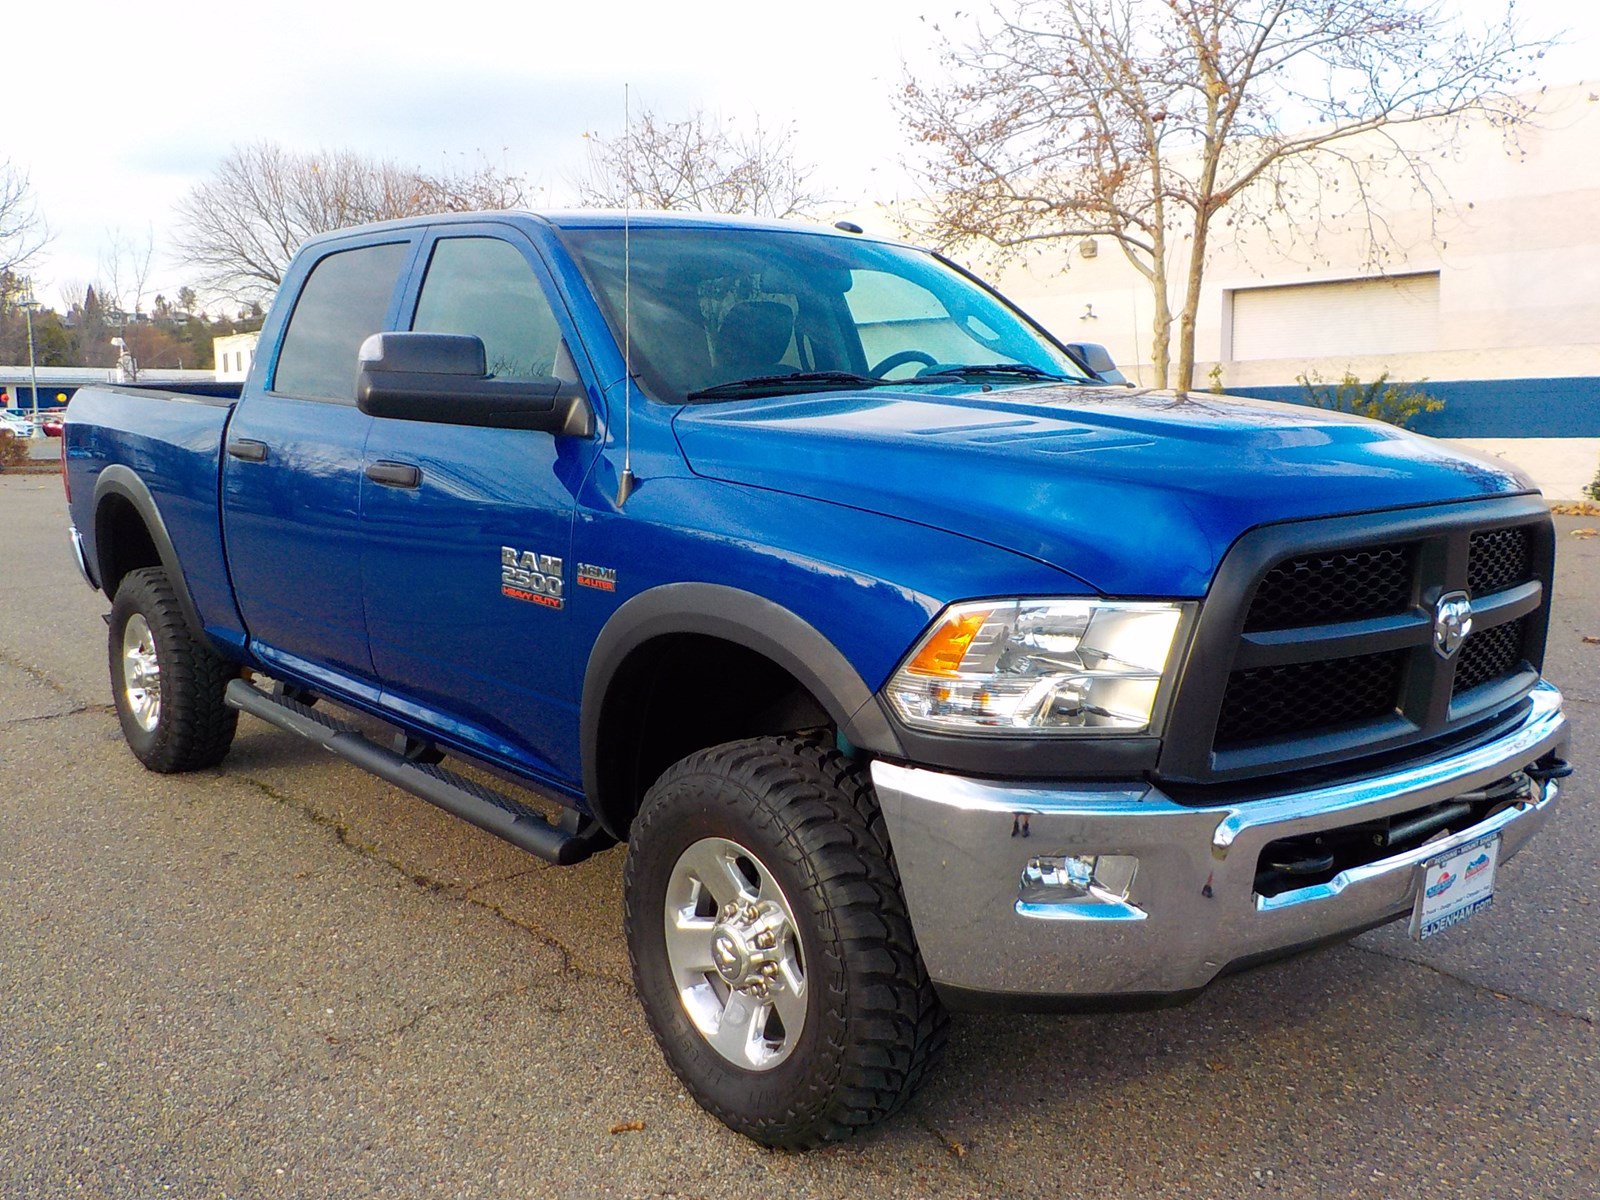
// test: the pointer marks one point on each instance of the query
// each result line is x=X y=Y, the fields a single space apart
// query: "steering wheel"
x=900 y=359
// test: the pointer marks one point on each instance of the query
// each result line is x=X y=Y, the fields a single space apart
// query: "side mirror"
x=443 y=378
x=1098 y=359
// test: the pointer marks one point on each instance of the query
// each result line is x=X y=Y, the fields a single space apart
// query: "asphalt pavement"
x=283 y=978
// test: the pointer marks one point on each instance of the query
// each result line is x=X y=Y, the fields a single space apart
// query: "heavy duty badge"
x=530 y=576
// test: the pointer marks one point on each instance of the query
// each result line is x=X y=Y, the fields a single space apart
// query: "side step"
x=489 y=810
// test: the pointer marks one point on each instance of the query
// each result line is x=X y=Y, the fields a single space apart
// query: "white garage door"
x=1350 y=316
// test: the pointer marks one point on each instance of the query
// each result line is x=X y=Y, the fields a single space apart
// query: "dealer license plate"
x=1454 y=886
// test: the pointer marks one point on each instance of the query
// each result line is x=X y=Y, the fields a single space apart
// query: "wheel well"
x=122 y=542
x=679 y=693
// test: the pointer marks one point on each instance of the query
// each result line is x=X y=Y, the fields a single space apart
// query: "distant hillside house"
x=233 y=355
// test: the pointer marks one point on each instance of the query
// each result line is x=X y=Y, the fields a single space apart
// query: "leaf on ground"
x=1585 y=533
x=628 y=1127
x=1591 y=640
x=957 y=1150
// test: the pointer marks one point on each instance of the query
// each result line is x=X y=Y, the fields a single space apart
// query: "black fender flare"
x=122 y=481
x=748 y=620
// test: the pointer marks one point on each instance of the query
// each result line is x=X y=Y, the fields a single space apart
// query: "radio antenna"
x=625 y=484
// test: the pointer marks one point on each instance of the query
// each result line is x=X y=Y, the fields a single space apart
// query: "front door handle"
x=395 y=474
x=247 y=449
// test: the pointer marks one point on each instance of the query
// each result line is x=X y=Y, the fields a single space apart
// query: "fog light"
x=1077 y=885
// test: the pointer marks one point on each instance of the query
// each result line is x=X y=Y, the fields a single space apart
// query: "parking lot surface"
x=285 y=978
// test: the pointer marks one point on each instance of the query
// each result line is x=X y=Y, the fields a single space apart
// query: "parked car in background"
x=19 y=425
x=52 y=423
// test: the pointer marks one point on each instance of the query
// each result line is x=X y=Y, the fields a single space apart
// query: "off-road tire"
x=874 y=1026
x=194 y=727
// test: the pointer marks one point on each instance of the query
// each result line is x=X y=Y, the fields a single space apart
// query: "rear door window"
x=343 y=302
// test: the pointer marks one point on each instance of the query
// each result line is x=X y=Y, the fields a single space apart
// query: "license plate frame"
x=1461 y=883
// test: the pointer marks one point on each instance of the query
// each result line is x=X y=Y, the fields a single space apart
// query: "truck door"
x=291 y=477
x=467 y=530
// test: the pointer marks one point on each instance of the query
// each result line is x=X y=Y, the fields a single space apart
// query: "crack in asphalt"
x=343 y=835
x=1498 y=993
x=350 y=1044
x=34 y=673
x=71 y=712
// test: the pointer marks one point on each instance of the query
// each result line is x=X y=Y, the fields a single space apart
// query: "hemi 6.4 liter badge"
x=602 y=579
x=529 y=576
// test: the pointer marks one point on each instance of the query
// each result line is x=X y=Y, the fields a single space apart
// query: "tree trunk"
x=1191 y=302
x=1161 y=331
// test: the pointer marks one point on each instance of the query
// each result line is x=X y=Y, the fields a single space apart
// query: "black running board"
x=484 y=807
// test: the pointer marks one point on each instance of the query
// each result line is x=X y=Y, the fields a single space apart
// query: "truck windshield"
x=732 y=312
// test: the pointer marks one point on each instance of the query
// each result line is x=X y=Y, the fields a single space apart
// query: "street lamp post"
x=33 y=371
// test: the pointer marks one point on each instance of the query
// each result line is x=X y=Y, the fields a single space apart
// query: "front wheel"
x=166 y=685
x=770 y=942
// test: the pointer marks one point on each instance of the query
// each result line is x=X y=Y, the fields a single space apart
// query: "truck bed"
x=170 y=438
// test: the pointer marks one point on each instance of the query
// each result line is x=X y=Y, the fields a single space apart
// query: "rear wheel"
x=771 y=946
x=167 y=686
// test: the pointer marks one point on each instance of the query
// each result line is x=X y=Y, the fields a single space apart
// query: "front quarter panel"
x=866 y=584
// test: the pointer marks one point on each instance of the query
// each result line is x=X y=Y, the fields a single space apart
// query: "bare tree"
x=240 y=228
x=1144 y=121
x=22 y=230
x=699 y=164
x=124 y=275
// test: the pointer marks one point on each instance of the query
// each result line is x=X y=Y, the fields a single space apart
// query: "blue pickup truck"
x=920 y=662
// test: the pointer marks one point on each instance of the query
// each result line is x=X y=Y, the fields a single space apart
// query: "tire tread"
x=811 y=795
x=196 y=727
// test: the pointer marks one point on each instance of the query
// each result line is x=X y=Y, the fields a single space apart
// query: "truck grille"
x=1328 y=651
x=1269 y=702
x=1345 y=585
x=1490 y=655
x=1498 y=559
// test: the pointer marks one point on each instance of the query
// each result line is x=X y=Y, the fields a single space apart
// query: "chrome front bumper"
x=1192 y=909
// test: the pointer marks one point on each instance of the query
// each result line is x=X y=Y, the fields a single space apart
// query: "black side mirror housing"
x=443 y=378
x=1098 y=359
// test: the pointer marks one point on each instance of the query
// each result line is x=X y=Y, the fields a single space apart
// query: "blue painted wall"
x=1568 y=407
x=20 y=396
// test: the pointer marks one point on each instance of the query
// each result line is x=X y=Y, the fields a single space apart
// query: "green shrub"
x=1397 y=403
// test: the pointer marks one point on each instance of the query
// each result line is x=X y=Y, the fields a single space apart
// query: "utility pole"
x=28 y=306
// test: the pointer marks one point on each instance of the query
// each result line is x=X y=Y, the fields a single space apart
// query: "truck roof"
x=588 y=218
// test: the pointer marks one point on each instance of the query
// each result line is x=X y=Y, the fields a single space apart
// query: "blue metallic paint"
x=1089 y=479
x=861 y=514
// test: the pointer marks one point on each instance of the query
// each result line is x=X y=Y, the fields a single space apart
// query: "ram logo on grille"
x=1452 y=621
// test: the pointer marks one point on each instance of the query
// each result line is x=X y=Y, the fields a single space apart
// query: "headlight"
x=1040 y=666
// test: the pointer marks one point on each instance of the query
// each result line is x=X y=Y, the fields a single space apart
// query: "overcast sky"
x=117 y=109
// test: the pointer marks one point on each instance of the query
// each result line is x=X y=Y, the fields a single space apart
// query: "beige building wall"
x=1516 y=251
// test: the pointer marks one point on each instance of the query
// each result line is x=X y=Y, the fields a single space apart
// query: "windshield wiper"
x=964 y=371
x=798 y=381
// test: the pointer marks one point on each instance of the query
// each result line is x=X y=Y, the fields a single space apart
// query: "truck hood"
x=1137 y=493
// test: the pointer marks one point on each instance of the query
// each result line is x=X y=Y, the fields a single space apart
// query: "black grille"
x=1267 y=702
x=1338 y=585
x=1489 y=655
x=1499 y=558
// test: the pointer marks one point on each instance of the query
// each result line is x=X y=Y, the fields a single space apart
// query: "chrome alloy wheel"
x=141 y=672
x=735 y=954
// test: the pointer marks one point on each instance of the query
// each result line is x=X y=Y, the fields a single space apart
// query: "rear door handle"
x=247 y=449
x=395 y=474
